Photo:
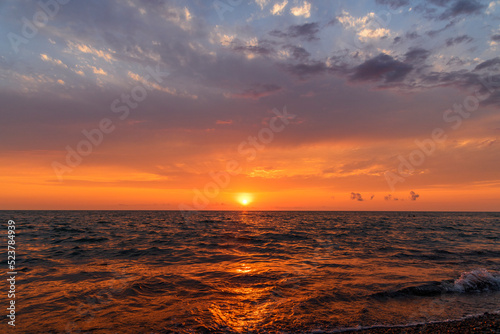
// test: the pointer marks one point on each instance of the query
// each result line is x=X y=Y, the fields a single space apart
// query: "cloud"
x=358 y=23
x=333 y=22
x=374 y=33
x=455 y=61
x=488 y=63
x=258 y=91
x=462 y=7
x=73 y=47
x=458 y=40
x=98 y=70
x=261 y=3
x=254 y=49
x=414 y=196
x=441 y=3
x=306 y=31
x=381 y=68
x=390 y=198
x=305 y=70
x=412 y=35
x=298 y=52
x=416 y=55
x=394 y=4
x=304 y=11
x=495 y=38
x=279 y=7
x=357 y=197
x=46 y=58
x=494 y=98
x=370 y=27
x=433 y=33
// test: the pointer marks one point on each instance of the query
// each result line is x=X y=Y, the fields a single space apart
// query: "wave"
x=478 y=280
x=475 y=281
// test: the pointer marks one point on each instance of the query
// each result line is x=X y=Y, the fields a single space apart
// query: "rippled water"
x=239 y=272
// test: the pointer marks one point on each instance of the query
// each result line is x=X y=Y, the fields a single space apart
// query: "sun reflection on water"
x=251 y=302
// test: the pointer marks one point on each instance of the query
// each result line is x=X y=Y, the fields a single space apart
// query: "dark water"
x=240 y=272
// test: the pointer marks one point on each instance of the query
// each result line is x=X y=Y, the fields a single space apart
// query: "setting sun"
x=244 y=199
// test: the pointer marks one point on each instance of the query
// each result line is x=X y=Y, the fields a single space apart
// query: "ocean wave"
x=477 y=281
x=474 y=281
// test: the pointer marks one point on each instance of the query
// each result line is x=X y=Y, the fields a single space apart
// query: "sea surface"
x=248 y=272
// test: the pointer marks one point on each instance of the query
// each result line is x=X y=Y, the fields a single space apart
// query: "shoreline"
x=484 y=323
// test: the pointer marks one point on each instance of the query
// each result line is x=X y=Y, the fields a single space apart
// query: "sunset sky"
x=259 y=105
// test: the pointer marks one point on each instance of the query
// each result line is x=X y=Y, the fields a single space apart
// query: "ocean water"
x=249 y=272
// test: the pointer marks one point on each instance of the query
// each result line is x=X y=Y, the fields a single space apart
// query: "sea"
x=248 y=271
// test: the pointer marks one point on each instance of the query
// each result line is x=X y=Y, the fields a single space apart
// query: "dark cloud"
x=332 y=22
x=393 y=4
x=461 y=78
x=412 y=35
x=441 y=3
x=299 y=53
x=462 y=7
x=495 y=38
x=381 y=68
x=455 y=61
x=409 y=35
x=487 y=63
x=457 y=40
x=414 y=196
x=357 y=197
x=428 y=11
x=278 y=33
x=259 y=91
x=416 y=55
x=390 y=198
x=433 y=33
x=494 y=98
x=256 y=49
x=305 y=70
x=305 y=31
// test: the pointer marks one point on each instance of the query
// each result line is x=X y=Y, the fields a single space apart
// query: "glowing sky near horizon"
x=121 y=104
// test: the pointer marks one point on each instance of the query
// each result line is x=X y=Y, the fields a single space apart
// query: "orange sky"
x=296 y=181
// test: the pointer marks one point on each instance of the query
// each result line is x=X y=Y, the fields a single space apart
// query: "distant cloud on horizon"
x=356 y=196
x=413 y=196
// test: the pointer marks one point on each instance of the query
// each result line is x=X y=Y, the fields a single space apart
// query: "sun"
x=244 y=199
